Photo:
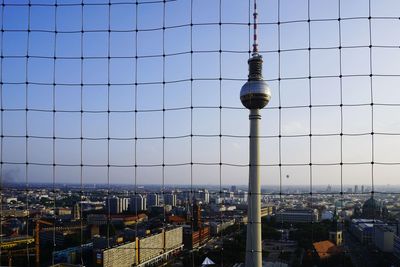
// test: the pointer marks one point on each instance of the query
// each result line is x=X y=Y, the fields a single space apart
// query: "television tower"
x=255 y=95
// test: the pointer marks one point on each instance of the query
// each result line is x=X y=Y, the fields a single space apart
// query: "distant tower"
x=196 y=216
x=255 y=95
x=336 y=233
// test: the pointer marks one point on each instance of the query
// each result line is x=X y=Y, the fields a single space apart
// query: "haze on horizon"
x=294 y=92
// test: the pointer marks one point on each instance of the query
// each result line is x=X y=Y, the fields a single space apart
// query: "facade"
x=137 y=203
x=194 y=239
x=363 y=232
x=336 y=237
x=217 y=227
x=267 y=210
x=363 y=229
x=124 y=256
x=116 y=205
x=112 y=205
x=146 y=251
x=242 y=195
x=297 y=215
x=123 y=204
x=170 y=199
x=205 y=196
x=150 y=247
x=153 y=200
x=384 y=238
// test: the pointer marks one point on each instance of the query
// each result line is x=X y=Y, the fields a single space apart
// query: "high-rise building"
x=170 y=199
x=137 y=203
x=205 y=196
x=123 y=204
x=355 y=189
x=153 y=200
x=242 y=195
x=116 y=205
x=233 y=188
x=112 y=204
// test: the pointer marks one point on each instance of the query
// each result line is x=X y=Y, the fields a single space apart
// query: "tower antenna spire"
x=255 y=17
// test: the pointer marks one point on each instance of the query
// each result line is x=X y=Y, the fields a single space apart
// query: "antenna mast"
x=255 y=16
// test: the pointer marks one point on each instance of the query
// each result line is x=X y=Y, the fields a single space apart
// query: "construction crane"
x=37 y=241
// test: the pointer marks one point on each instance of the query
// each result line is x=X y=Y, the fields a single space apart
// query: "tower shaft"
x=253 y=238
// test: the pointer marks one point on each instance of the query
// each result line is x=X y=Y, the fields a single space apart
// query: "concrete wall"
x=173 y=238
x=383 y=239
x=121 y=256
x=150 y=247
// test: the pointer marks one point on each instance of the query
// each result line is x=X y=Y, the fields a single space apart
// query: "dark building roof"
x=372 y=208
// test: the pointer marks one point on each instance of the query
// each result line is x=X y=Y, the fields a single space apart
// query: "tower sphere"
x=255 y=93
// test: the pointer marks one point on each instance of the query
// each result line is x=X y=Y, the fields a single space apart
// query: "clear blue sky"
x=122 y=97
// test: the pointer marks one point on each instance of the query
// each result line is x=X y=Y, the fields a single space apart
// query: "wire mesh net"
x=107 y=105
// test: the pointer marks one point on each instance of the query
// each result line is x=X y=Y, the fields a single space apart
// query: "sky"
x=82 y=58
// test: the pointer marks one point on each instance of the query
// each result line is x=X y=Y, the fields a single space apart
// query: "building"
x=145 y=251
x=194 y=239
x=61 y=211
x=49 y=237
x=242 y=195
x=123 y=204
x=204 y=196
x=384 y=238
x=326 y=249
x=170 y=199
x=363 y=229
x=217 y=227
x=267 y=210
x=126 y=220
x=123 y=255
x=116 y=205
x=137 y=203
x=196 y=216
x=153 y=200
x=396 y=246
x=336 y=230
x=327 y=215
x=336 y=235
x=97 y=219
x=297 y=215
x=372 y=209
x=112 y=205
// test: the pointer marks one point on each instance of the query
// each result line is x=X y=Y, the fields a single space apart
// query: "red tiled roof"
x=325 y=249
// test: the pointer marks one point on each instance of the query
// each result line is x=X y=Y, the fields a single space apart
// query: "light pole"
x=255 y=95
